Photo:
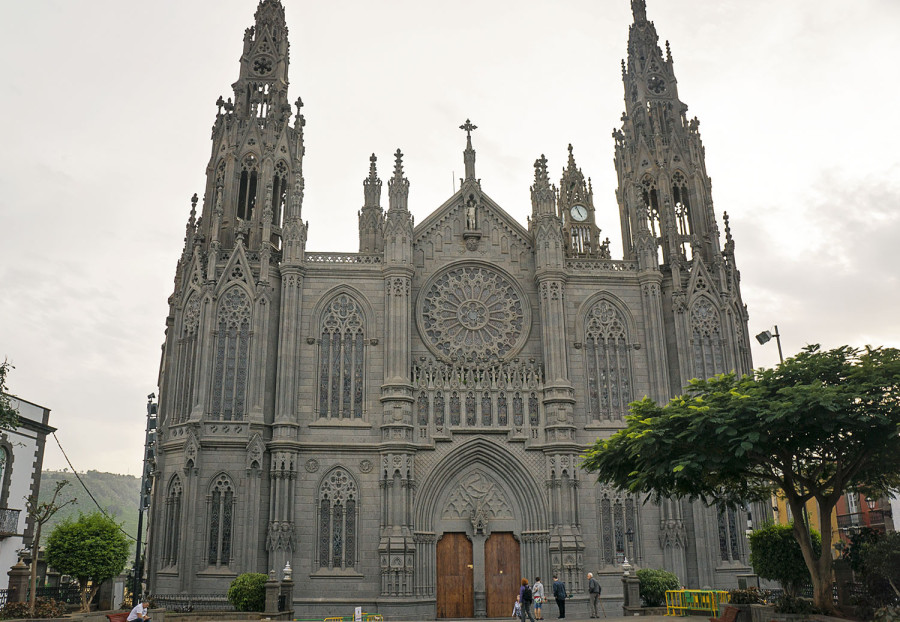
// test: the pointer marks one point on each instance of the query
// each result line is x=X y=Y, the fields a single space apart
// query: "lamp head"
x=764 y=337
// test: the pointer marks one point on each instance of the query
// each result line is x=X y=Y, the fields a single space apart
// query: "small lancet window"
x=248 y=187
x=682 y=204
x=651 y=205
x=279 y=192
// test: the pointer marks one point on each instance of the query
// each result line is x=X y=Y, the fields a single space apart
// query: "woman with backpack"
x=526 y=598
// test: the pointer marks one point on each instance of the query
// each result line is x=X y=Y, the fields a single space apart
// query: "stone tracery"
x=473 y=312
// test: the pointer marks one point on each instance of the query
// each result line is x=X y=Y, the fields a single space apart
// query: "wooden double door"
x=456 y=575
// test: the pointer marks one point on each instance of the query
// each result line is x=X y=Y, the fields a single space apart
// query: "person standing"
x=526 y=598
x=538 y=589
x=594 y=591
x=559 y=593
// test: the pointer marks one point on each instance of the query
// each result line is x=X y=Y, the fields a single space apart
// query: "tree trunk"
x=32 y=582
x=819 y=567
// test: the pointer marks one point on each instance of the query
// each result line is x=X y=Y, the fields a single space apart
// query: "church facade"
x=403 y=425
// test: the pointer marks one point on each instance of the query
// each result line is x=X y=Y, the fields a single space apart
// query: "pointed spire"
x=372 y=186
x=261 y=88
x=572 y=167
x=543 y=196
x=469 y=153
x=639 y=10
x=398 y=186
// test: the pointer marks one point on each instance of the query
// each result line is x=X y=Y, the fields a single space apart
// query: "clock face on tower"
x=579 y=213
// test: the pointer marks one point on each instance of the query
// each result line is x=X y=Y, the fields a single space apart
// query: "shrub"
x=887 y=614
x=248 y=592
x=43 y=608
x=879 y=565
x=775 y=554
x=792 y=604
x=654 y=584
x=750 y=596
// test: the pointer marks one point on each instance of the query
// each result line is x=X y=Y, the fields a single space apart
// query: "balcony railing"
x=857 y=520
x=9 y=522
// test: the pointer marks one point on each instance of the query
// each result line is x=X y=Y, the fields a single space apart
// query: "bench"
x=730 y=615
x=118 y=617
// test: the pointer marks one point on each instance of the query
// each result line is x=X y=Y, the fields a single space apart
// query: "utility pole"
x=146 y=488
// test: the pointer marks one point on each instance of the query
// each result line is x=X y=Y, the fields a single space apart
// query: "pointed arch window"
x=342 y=360
x=187 y=358
x=232 y=356
x=618 y=519
x=650 y=198
x=248 y=187
x=220 y=503
x=337 y=522
x=608 y=362
x=279 y=192
x=729 y=537
x=682 y=204
x=172 y=525
x=707 y=344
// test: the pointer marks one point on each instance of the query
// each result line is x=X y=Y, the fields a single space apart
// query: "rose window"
x=472 y=312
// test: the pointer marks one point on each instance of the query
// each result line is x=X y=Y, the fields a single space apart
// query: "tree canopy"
x=820 y=424
x=91 y=549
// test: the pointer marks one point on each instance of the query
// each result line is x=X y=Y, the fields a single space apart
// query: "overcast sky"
x=106 y=111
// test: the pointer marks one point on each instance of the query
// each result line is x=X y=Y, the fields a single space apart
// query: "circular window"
x=473 y=312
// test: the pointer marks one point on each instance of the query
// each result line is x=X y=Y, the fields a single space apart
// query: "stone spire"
x=371 y=216
x=639 y=10
x=543 y=195
x=261 y=88
x=372 y=185
x=398 y=186
x=469 y=153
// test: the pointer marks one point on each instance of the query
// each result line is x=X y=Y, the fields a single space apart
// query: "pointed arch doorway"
x=482 y=527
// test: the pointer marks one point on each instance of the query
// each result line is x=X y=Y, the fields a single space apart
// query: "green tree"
x=9 y=416
x=655 y=584
x=820 y=424
x=40 y=512
x=880 y=565
x=91 y=549
x=775 y=554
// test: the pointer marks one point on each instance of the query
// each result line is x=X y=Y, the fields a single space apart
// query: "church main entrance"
x=501 y=574
x=455 y=587
x=456 y=575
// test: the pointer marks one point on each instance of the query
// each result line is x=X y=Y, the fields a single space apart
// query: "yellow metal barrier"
x=683 y=602
x=366 y=617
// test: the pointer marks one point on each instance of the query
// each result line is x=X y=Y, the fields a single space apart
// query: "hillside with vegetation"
x=117 y=494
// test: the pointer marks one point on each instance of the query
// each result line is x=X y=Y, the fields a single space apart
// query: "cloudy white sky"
x=106 y=111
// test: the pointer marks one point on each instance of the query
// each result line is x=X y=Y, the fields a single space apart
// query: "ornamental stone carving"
x=473 y=312
x=478 y=499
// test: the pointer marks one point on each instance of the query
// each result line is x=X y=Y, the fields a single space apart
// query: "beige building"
x=404 y=424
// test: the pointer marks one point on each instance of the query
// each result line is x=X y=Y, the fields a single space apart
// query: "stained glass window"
x=232 y=356
x=470 y=409
x=342 y=360
x=454 y=408
x=608 y=362
x=486 y=414
x=172 y=533
x=518 y=410
x=707 y=341
x=221 y=518
x=187 y=356
x=729 y=536
x=337 y=522
x=502 y=416
x=617 y=519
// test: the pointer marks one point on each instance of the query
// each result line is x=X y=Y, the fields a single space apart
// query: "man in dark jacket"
x=559 y=593
x=594 y=591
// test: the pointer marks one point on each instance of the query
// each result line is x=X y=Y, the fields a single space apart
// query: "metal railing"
x=9 y=521
x=184 y=603
x=4 y=598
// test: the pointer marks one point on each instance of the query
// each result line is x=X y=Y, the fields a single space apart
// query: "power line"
x=83 y=485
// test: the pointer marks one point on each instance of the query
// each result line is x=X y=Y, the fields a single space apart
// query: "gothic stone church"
x=403 y=425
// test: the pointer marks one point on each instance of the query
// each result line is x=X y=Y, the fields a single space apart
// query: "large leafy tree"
x=91 y=549
x=820 y=424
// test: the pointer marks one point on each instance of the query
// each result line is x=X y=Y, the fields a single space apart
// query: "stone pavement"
x=568 y=619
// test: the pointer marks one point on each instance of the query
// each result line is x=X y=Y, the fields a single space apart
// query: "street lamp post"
x=144 y=504
x=764 y=337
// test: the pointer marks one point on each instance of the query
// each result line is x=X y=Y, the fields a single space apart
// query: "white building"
x=21 y=459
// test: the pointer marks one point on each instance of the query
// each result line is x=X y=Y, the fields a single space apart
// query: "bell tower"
x=255 y=168
x=576 y=209
x=664 y=192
